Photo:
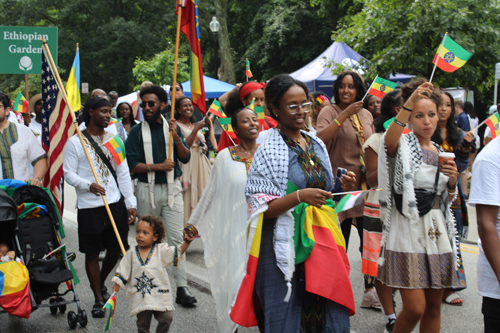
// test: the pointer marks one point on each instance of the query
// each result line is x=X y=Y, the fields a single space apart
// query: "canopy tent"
x=213 y=88
x=318 y=77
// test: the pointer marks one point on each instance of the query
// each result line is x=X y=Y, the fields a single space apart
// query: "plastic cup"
x=443 y=157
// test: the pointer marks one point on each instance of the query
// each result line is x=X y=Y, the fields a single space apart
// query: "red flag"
x=57 y=128
x=189 y=27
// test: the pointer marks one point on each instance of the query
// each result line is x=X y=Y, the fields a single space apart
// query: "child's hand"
x=11 y=255
x=187 y=237
x=116 y=288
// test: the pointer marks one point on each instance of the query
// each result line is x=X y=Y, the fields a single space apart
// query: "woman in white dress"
x=419 y=252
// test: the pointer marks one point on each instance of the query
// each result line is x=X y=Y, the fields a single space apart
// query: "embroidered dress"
x=235 y=157
x=195 y=173
x=146 y=281
x=420 y=252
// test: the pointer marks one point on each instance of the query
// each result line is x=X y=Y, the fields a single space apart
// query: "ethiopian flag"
x=15 y=289
x=248 y=72
x=73 y=85
x=380 y=87
x=493 y=123
x=261 y=117
x=116 y=148
x=216 y=109
x=452 y=56
x=21 y=104
x=225 y=123
x=110 y=304
x=114 y=121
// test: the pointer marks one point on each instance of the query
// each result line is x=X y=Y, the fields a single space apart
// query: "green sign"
x=21 y=49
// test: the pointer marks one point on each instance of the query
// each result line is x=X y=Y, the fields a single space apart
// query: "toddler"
x=5 y=254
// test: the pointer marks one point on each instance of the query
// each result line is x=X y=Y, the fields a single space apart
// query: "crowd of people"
x=262 y=206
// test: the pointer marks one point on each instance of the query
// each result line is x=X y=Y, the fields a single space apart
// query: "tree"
x=404 y=36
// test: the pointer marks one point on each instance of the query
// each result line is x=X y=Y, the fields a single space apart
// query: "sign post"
x=21 y=49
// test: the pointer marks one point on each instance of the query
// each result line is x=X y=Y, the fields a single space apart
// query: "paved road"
x=201 y=318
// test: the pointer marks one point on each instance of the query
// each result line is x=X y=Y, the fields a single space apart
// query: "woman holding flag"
x=289 y=285
x=419 y=249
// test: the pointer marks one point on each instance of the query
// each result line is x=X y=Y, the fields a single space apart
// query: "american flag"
x=57 y=128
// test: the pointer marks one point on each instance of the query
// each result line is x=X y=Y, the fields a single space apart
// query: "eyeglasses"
x=148 y=103
x=176 y=88
x=294 y=108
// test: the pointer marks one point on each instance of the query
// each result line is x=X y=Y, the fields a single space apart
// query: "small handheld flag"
x=225 y=123
x=493 y=123
x=248 y=71
x=114 y=121
x=252 y=105
x=380 y=87
x=350 y=200
x=216 y=109
x=450 y=55
x=111 y=305
x=261 y=117
x=21 y=104
x=116 y=148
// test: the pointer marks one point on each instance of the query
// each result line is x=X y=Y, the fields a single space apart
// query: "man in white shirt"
x=18 y=147
x=95 y=232
x=485 y=196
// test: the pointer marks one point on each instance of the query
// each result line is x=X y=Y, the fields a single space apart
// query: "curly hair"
x=277 y=87
x=390 y=101
x=157 y=90
x=358 y=82
x=157 y=224
x=452 y=133
x=177 y=114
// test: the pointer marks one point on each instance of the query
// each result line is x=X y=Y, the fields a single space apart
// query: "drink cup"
x=443 y=157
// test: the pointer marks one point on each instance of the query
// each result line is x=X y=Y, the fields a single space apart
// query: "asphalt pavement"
x=201 y=317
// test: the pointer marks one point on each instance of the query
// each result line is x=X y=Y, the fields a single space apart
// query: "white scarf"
x=148 y=153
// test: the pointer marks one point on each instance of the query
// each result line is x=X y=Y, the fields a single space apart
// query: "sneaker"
x=370 y=300
x=390 y=326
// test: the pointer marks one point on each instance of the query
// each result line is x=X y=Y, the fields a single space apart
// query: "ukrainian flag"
x=73 y=85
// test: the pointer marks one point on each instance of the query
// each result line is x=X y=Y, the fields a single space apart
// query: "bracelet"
x=399 y=123
x=451 y=193
x=149 y=167
x=38 y=178
x=337 y=122
x=404 y=107
x=298 y=196
x=177 y=142
x=450 y=187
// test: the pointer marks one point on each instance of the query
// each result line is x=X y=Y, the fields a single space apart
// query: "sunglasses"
x=176 y=88
x=149 y=103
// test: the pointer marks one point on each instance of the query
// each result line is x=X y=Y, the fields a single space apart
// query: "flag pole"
x=438 y=56
x=369 y=88
x=75 y=123
x=371 y=190
x=484 y=121
x=174 y=81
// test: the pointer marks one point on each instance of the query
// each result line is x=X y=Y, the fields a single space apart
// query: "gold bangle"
x=337 y=122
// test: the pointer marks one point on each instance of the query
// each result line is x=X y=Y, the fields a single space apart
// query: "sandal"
x=97 y=310
x=452 y=298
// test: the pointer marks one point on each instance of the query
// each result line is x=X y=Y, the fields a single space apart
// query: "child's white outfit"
x=146 y=282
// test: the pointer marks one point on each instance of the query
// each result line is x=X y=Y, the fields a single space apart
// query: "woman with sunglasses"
x=344 y=127
x=291 y=172
x=195 y=173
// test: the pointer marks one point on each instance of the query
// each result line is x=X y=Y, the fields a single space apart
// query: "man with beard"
x=95 y=232
x=159 y=190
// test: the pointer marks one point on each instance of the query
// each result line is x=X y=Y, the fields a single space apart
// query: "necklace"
x=244 y=150
x=189 y=126
x=306 y=151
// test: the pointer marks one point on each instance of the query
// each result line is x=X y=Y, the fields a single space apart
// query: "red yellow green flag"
x=248 y=72
x=261 y=117
x=110 y=304
x=450 y=56
x=225 y=123
x=380 y=87
x=21 y=104
x=216 y=109
x=116 y=148
x=493 y=122
x=252 y=105
x=114 y=121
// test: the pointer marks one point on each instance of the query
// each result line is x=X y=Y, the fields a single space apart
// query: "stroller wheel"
x=53 y=309
x=72 y=320
x=62 y=308
x=82 y=318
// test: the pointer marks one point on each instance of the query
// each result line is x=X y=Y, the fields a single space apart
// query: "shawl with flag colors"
x=116 y=148
x=73 y=85
x=21 y=104
x=57 y=128
x=380 y=87
x=216 y=109
x=225 y=123
x=110 y=304
x=451 y=57
x=114 y=121
x=350 y=200
x=15 y=289
x=493 y=123
x=248 y=71
x=190 y=28
x=390 y=121
x=319 y=244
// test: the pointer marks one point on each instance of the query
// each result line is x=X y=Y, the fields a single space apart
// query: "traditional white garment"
x=221 y=218
x=36 y=128
x=146 y=282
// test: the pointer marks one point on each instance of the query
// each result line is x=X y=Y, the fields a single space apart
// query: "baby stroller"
x=33 y=238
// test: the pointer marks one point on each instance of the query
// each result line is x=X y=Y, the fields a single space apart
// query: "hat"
x=33 y=100
x=493 y=109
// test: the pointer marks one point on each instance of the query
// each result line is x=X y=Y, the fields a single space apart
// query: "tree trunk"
x=226 y=60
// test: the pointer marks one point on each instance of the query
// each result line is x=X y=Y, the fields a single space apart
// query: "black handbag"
x=425 y=198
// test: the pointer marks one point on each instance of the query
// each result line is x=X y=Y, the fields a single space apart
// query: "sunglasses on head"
x=148 y=103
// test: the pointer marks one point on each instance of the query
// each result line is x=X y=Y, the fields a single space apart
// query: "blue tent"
x=213 y=88
x=318 y=77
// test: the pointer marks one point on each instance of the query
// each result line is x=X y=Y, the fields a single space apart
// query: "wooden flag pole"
x=369 y=89
x=61 y=88
x=437 y=59
x=26 y=86
x=174 y=81
x=483 y=122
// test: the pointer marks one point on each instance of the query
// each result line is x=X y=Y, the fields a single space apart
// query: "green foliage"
x=404 y=36
x=34 y=85
x=160 y=68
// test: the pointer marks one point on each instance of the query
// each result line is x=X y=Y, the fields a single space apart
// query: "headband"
x=249 y=87
x=320 y=99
